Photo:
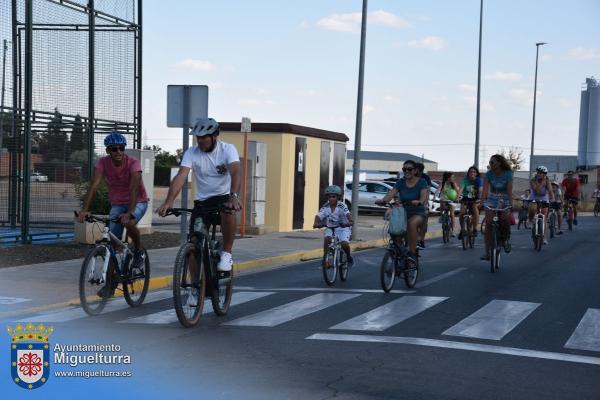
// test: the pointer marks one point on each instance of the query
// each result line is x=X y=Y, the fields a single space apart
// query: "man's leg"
x=228 y=231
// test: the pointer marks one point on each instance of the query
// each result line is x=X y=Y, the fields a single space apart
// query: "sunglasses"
x=113 y=149
x=409 y=169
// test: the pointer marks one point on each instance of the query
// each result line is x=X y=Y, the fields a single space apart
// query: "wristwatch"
x=234 y=194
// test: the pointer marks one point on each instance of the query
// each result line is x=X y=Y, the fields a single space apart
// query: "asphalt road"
x=530 y=331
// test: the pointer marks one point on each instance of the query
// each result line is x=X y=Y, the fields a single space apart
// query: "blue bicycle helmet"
x=115 y=139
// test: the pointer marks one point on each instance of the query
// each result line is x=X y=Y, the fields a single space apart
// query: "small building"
x=382 y=165
x=289 y=168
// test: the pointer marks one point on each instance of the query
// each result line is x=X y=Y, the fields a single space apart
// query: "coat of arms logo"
x=30 y=355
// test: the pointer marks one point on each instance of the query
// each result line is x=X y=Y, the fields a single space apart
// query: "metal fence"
x=71 y=72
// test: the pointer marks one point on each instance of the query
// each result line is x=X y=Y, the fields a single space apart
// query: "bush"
x=101 y=203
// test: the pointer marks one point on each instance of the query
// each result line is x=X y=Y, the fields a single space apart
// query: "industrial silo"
x=583 y=129
x=593 y=131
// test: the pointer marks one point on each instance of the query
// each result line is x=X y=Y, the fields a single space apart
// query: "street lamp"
x=537 y=52
x=476 y=163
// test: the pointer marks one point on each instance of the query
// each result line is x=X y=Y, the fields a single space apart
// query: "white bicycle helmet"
x=333 y=189
x=205 y=126
x=542 y=169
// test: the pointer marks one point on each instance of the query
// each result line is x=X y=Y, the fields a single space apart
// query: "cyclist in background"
x=126 y=193
x=448 y=192
x=557 y=204
x=335 y=214
x=469 y=195
x=413 y=193
x=541 y=194
x=497 y=193
x=596 y=193
x=423 y=229
x=571 y=191
x=216 y=167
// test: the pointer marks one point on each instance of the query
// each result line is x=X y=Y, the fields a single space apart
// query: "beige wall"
x=280 y=176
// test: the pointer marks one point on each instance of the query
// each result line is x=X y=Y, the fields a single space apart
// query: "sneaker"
x=104 y=292
x=225 y=263
x=485 y=257
x=460 y=235
x=575 y=221
x=350 y=262
x=545 y=241
x=411 y=258
x=192 y=298
x=560 y=232
x=421 y=244
x=138 y=259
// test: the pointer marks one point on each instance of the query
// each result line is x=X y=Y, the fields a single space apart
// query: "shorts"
x=497 y=200
x=118 y=209
x=468 y=201
x=542 y=201
x=211 y=218
x=556 y=205
x=571 y=200
x=343 y=234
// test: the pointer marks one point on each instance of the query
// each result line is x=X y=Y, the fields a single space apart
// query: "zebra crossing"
x=492 y=321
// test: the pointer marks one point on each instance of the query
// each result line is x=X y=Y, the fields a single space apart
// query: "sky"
x=297 y=62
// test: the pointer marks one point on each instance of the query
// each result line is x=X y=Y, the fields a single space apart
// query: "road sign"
x=197 y=105
x=246 y=125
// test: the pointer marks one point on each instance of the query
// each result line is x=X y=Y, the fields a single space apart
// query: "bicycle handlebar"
x=498 y=209
x=98 y=218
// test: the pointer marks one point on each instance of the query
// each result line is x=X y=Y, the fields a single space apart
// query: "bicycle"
x=335 y=259
x=445 y=220
x=496 y=240
x=552 y=222
x=395 y=263
x=195 y=269
x=538 y=227
x=467 y=229
x=597 y=208
x=108 y=264
x=570 y=212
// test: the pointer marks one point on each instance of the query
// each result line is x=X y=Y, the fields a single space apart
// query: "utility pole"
x=476 y=163
x=4 y=50
x=359 y=110
x=537 y=52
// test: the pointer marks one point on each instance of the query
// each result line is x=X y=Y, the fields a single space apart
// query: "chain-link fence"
x=71 y=72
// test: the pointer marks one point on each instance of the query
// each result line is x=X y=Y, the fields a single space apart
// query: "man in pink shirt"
x=126 y=191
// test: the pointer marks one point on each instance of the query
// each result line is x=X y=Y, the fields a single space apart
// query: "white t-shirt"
x=336 y=217
x=211 y=170
x=597 y=193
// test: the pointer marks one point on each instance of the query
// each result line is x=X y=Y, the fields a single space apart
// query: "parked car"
x=38 y=177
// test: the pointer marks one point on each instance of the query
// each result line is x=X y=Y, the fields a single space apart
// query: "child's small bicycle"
x=335 y=259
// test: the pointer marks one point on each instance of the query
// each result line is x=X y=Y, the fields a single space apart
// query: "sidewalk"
x=38 y=287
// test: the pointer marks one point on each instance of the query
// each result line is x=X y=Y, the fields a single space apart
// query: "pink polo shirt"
x=118 y=179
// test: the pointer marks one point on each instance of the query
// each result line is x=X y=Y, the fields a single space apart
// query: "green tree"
x=77 y=135
x=163 y=158
x=514 y=156
x=54 y=142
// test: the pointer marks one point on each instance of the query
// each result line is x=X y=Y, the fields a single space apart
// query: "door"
x=259 y=198
x=324 y=171
x=299 y=182
x=339 y=164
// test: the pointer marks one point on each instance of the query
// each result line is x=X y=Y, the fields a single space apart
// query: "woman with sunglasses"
x=126 y=191
x=497 y=193
x=413 y=193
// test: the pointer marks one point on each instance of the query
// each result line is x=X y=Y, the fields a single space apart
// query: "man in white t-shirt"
x=216 y=167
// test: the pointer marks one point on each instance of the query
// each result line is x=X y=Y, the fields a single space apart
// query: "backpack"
x=397 y=221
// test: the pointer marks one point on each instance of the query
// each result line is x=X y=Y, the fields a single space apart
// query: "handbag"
x=397 y=221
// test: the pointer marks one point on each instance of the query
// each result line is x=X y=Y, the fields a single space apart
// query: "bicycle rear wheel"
x=343 y=265
x=445 y=229
x=387 y=273
x=330 y=267
x=189 y=285
x=222 y=289
x=596 y=209
x=466 y=232
x=551 y=224
x=494 y=253
x=540 y=234
x=135 y=287
x=91 y=280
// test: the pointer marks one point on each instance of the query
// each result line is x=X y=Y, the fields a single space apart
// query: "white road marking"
x=324 y=289
x=438 y=278
x=169 y=316
x=484 y=348
x=12 y=300
x=73 y=313
x=390 y=314
x=296 y=309
x=587 y=333
x=494 y=320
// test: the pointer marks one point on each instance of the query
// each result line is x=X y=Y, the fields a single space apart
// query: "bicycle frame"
x=539 y=215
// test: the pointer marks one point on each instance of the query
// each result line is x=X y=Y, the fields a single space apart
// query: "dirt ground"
x=40 y=253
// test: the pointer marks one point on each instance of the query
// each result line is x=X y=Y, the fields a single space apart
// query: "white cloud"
x=566 y=103
x=256 y=103
x=523 y=97
x=430 y=42
x=504 y=76
x=467 y=88
x=196 y=65
x=367 y=108
x=304 y=25
x=582 y=53
x=229 y=68
x=547 y=57
x=472 y=101
x=350 y=22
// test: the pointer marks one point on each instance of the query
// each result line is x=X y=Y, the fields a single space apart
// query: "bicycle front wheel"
x=540 y=235
x=92 y=281
x=343 y=265
x=494 y=253
x=222 y=290
x=135 y=287
x=445 y=229
x=189 y=285
x=388 y=271
x=551 y=225
x=411 y=273
x=330 y=267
